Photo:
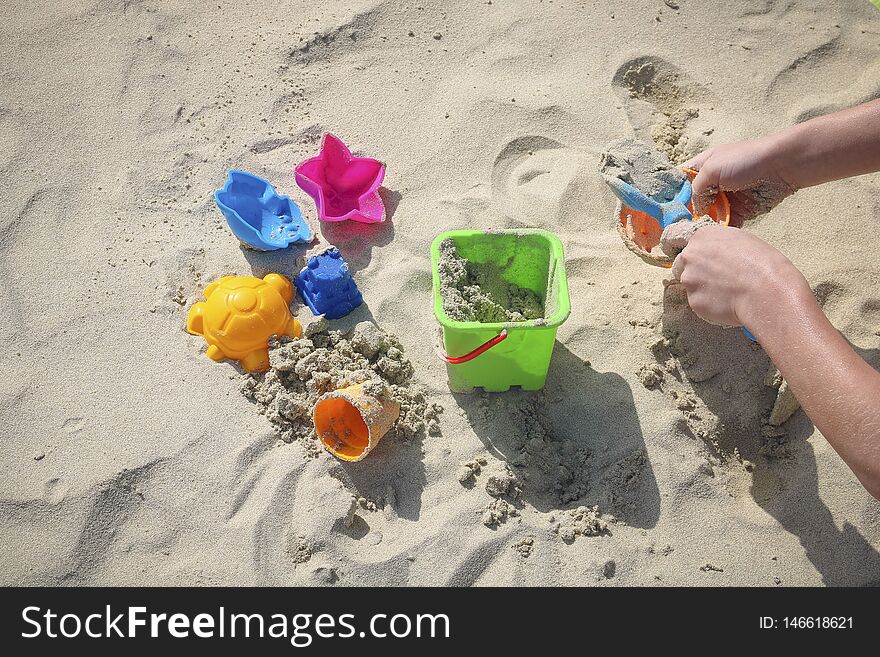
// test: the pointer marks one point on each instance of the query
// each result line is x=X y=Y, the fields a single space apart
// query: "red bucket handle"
x=486 y=346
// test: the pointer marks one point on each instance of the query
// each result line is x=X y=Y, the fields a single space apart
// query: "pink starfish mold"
x=343 y=186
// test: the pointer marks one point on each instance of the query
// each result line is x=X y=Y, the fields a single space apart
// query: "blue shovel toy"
x=666 y=214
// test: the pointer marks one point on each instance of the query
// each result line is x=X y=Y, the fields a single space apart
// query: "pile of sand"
x=324 y=360
x=643 y=166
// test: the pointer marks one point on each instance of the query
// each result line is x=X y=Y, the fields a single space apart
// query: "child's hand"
x=748 y=171
x=759 y=173
x=731 y=277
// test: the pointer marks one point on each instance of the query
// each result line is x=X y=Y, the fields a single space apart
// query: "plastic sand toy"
x=642 y=220
x=495 y=356
x=258 y=216
x=240 y=314
x=641 y=224
x=343 y=186
x=327 y=287
x=349 y=422
x=665 y=213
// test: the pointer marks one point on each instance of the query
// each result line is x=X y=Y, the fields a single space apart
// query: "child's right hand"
x=759 y=173
x=748 y=171
x=732 y=277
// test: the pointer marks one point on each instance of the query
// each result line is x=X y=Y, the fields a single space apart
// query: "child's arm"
x=831 y=147
x=760 y=173
x=734 y=278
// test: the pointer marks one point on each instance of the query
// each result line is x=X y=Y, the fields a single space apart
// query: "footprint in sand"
x=540 y=182
x=841 y=71
x=525 y=175
x=54 y=491
x=72 y=425
x=664 y=105
x=524 y=160
x=185 y=279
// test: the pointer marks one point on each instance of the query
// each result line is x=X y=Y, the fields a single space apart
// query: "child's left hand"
x=731 y=277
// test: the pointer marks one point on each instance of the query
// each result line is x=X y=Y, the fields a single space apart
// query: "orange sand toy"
x=350 y=421
x=240 y=314
x=641 y=232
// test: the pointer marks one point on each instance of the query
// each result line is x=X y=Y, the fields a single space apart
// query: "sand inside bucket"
x=478 y=292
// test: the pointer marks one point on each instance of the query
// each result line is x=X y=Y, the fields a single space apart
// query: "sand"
x=643 y=166
x=131 y=458
x=477 y=292
x=324 y=360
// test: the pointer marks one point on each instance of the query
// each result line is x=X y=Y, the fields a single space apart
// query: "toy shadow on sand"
x=355 y=240
x=785 y=486
x=288 y=262
x=577 y=442
x=400 y=487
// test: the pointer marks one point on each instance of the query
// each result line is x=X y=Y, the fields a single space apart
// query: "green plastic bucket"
x=529 y=258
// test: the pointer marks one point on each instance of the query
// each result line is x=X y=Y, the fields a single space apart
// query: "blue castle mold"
x=327 y=287
x=258 y=215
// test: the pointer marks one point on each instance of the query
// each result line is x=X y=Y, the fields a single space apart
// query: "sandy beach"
x=130 y=458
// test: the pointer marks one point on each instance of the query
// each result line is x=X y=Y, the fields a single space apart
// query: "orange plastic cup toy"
x=349 y=422
x=240 y=314
x=641 y=232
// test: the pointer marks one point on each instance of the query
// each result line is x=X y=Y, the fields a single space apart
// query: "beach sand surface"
x=130 y=458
